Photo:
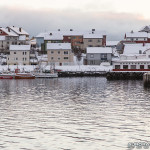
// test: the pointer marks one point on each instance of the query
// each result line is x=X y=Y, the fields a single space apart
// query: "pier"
x=124 y=75
x=81 y=73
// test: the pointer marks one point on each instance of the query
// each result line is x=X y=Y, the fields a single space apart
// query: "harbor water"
x=73 y=114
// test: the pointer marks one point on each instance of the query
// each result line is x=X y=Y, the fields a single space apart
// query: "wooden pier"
x=124 y=75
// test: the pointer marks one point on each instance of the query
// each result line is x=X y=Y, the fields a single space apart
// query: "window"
x=52 y=52
x=90 y=40
x=58 y=52
x=117 y=66
x=133 y=66
x=140 y=52
x=90 y=45
x=65 y=52
x=91 y=56
x=14 y=52
x=23 y=53
x=52 y=58
x=58 y=58
x=148 y=66
x=99 y=41
x=16 y=58
x=65 y=57
x=125 y=66
x=103 y=56
x=141 y=66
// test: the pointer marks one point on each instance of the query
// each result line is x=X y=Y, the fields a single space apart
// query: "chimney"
x=8 y=29
x=93 y=30
x=58 y=29
x=50 y=34
x=71 y=29
x=20 y=29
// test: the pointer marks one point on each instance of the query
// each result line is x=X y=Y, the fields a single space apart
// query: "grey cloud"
x=35 y=21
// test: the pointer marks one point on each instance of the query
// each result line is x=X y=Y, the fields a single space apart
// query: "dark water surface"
x=73 y=114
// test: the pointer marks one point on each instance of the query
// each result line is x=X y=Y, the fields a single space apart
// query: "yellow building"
x=60 y=54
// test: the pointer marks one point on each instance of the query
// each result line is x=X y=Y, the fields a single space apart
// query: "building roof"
x=136 y=34
x=98 y=50
x=58 y=46
x=92 y=36
x=19 y=47
x=60 y=33
x=18 y=30
x=9 y=32
x=135 y=48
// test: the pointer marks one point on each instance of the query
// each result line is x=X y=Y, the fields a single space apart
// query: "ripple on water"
x=73 y=113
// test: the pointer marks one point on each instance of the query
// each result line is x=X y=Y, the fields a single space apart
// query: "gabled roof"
x=98 y=50
x=18 y=30
x=9 y=32
x=19 y=47
x=111 y=43
x=58 y=46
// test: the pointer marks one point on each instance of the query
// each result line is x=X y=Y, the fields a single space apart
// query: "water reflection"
x=73 y=113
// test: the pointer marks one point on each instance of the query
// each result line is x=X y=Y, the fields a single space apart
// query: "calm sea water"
x=73 y=114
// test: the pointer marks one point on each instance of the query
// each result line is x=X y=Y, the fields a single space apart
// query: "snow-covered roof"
x=135 y=48
x=111 y=43
x=53 y=37
x=19 y=47
x=18 y=30
x=133 y=60
x=60 y=34
x=55 y=46
x=136 y=34
x=9 y=32
x=98 y=50
x=92 y=36
x=22 y=38
x=2 y=38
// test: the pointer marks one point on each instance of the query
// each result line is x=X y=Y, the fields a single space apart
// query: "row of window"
x=132 y=67
x=52 y=58
x=24 y=59
x=102 y=56
x=65 y=52
x=90 y=40
x=23 y=53
x=132 y=39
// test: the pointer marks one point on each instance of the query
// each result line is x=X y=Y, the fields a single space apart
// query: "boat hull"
x=24 y=76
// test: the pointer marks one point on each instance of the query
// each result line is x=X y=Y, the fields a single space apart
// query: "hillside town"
x=74 y=50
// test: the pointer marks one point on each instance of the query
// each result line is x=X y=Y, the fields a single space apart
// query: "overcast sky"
x=114 y=16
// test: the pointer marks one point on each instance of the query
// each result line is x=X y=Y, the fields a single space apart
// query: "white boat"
x=46 y=75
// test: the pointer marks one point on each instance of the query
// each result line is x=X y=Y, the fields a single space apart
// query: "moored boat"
x=24 y=76
x=6 y=76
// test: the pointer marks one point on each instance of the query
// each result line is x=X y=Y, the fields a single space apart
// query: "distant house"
x=94 y=40
x=78 y=39
x=60 y=54
x=12 y=36
x=19 y=55
x=97 y=55
x=112 y=44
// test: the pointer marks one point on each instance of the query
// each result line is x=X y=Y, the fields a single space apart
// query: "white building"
x=19 y=55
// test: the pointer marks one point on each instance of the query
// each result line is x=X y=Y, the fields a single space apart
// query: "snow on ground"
x=29 y=68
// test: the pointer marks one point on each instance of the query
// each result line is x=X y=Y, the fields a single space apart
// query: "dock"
x=127 y=75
